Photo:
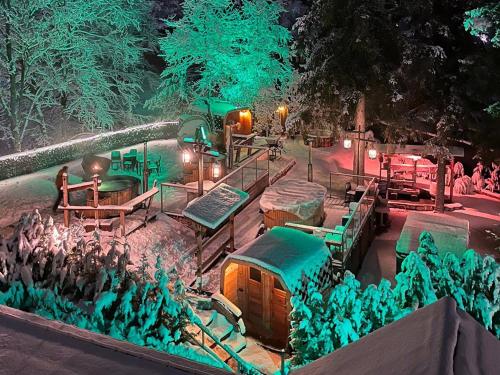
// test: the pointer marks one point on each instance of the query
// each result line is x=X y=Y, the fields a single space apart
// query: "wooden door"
x=255 y=301
x=279 y=314
x=231 y=283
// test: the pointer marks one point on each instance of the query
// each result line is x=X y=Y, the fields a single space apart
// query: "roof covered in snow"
x=298 y=197
x=450 y=234
x=213 y=208
x=217 y=107
x=437 y=339
x=34 y=345
x=288 y=253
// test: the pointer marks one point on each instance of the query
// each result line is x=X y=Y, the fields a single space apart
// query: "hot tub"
x=114 y=190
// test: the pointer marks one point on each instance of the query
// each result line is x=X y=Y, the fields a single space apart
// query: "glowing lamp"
x=347 y=143
x=216 y=170
x=281 y=109
x=186 y=157
x=372 y=153
x=243 y=113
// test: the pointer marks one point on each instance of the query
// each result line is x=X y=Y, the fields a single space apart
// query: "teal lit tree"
x=484 y=23
x=222 y=49
x=69 y=60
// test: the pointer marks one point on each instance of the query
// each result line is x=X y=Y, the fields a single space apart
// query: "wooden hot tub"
x=295 y=201
x=116 y=190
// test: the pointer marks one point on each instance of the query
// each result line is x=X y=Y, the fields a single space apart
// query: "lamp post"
x=372 y=152
x=201 y=146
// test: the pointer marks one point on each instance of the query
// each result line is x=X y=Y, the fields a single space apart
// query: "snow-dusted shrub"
x=463 y=185
x=45 y=157
x=61 y=276
x=320 y=326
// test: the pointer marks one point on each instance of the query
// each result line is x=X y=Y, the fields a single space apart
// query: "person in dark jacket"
x=59 y=184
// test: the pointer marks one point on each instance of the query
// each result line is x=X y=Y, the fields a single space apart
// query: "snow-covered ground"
x=37 y=190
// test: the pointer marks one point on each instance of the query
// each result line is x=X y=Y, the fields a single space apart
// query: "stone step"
x=220 y=326
x=236 y=341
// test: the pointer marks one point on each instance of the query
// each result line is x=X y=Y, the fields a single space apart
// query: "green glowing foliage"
x=484 y=22
x=221 y=49
x=80 y=59
x=349 y=312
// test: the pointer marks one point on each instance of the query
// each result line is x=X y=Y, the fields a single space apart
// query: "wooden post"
x=309 y=165
x=65 y=199
x=95 y=187
x=452 y=179
x=122 y=222
x=231 y=233
x=200 y=171
x=359 y=144
x=199 y=242
x=440 y=184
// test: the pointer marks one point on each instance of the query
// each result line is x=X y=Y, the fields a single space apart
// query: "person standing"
x=59 y=184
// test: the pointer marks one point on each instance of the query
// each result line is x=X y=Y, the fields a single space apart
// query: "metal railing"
x=359 y=215
x=359 y=212
x=175 y=197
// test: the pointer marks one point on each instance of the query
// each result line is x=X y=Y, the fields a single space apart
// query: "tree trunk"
x=440 y=184
x=359 y=146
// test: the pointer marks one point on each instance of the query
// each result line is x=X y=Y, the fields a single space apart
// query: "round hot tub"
x=114 y=190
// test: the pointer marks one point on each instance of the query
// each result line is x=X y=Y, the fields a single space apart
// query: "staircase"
x=223 y=337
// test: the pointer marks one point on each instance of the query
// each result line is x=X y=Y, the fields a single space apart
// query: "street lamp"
x=216 y=170
x=186 y=157
x=372 y=152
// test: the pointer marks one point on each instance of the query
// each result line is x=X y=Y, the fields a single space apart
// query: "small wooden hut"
x=261 y=277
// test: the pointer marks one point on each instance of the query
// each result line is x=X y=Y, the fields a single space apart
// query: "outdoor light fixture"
x=347 y=143
x=244 y=113
x=281 y=108
x=372 y=153
x=186 y=156
x=216 y=170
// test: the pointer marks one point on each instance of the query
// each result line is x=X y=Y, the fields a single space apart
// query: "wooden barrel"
x=113 y=192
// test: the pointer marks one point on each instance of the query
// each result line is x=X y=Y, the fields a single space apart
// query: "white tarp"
x=298 y=197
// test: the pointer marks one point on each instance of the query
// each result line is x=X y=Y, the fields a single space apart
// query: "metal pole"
x=145 y=170
x=309 y=165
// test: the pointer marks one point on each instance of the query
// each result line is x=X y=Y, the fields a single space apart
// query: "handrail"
x=240 y=167
x=345 y=251
x=245 y=366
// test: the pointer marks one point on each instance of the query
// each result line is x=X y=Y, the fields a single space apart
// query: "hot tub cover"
x=298 y=197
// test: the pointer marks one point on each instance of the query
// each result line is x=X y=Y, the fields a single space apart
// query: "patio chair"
x=154 y=165
x=129 y=162
x=349 y=193
x=116 y=159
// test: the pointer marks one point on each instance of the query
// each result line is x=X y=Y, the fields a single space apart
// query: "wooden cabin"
x=261 y=277
x=215 y=115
